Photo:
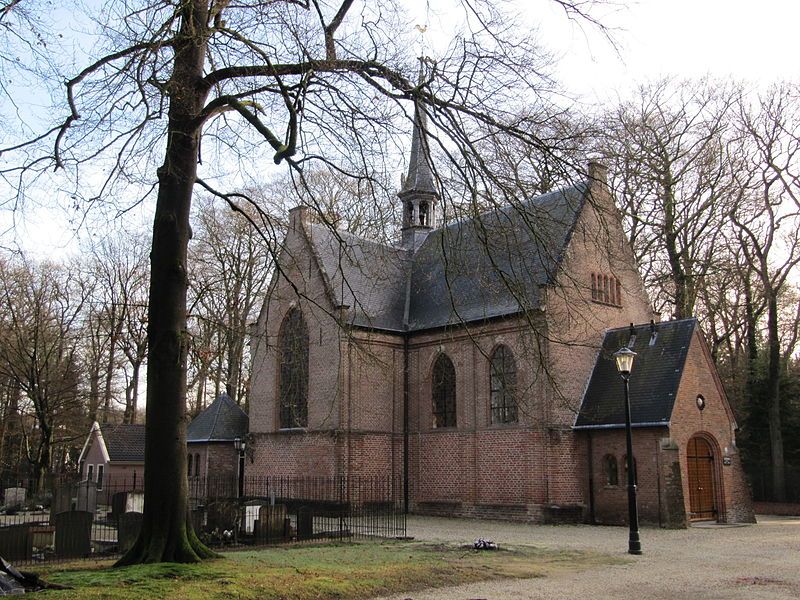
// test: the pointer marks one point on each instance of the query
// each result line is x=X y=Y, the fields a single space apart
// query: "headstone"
x=134 y=502
x=252 y=510
x=73 y=534
x=123 y=502
x=129 y=525
x=85 y=497
x=305 y=523
x=14 y=496
x=63 y=498
x=272 y=522
x=15 y=542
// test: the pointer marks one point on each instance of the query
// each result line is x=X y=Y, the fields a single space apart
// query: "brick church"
x=472 y=363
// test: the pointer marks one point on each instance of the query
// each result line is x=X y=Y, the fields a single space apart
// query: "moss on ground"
x=343 y=571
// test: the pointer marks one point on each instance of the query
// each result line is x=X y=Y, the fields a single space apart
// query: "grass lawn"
x=356 y=570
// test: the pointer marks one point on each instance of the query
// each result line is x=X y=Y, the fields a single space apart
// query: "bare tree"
x=669 y=160
x=230 y=266
x=39 y=328
x=767 y=222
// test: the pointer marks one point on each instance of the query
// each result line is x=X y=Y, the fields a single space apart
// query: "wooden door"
x=702 y=492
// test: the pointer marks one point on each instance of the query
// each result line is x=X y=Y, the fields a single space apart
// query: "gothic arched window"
x=293 y=370
x=443 y=388
x=503 y=386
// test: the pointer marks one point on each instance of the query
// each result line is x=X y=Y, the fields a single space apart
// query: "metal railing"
x=78 y=520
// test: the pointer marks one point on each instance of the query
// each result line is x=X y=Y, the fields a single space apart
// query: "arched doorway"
x=702 y=479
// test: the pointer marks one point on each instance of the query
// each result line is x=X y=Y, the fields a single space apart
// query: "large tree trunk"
x=166 y=534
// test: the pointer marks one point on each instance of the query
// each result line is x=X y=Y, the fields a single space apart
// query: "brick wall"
x=652 y=464
x=716 y=424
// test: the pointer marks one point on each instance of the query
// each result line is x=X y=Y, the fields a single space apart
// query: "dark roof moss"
x=656 y=375
x=222 y=421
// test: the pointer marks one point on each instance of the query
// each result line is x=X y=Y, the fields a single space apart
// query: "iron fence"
x=79 y=520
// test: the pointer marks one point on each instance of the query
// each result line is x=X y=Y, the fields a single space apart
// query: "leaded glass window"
x=444 y=392
x=293 y=356
x=503 y=386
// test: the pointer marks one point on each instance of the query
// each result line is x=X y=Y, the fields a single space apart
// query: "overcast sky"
x=748 y=40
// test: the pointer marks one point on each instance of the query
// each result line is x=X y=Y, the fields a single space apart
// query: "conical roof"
x=222 y=421
x=420 y=176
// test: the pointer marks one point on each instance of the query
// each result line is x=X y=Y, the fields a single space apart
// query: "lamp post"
x=241 y=446
x=624 y=357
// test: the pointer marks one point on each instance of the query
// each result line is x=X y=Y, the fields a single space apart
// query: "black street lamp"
x=241 y=445
x=624 y=358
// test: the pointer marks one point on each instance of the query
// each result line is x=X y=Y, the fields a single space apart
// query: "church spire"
x=420 y=176
x=418 y=192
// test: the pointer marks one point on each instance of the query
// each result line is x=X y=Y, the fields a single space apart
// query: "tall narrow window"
x=612 y=474
x=189 y=463
x=503 y=384
x=444 y=392
x=197 y=465
x=293 y=356
x=100 y=469
x=90 y=474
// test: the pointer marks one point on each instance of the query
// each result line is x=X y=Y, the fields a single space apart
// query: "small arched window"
x=443 y=388
x=503 y=386
x=189 y=465
x=610 y=467
x=197 y=465
x=293 y=370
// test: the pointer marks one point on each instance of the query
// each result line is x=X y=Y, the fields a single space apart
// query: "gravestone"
x=272 y=522
x=14 y=496
x=129 y=525
x=305 y=523
x=16 y=543
x=85 y=497
x=124 y=502
x=73 y=534
x=63 y=497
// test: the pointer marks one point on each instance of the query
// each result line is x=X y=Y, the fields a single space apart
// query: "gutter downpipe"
x=406 y=394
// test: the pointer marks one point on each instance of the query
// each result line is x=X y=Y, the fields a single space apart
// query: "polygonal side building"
x=470 y=362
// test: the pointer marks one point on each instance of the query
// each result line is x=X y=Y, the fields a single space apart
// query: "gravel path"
x=716 y=562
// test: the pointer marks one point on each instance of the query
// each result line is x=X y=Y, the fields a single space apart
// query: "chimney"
x=298 y=216
x=598 y=173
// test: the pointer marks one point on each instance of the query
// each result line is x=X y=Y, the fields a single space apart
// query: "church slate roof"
x=124 y=443
x=657 y=371
x=474 y=269
x=222 y=421
x=494 y=264
x=369 y=277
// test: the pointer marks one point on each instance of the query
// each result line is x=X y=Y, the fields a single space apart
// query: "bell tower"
x=418 y=195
